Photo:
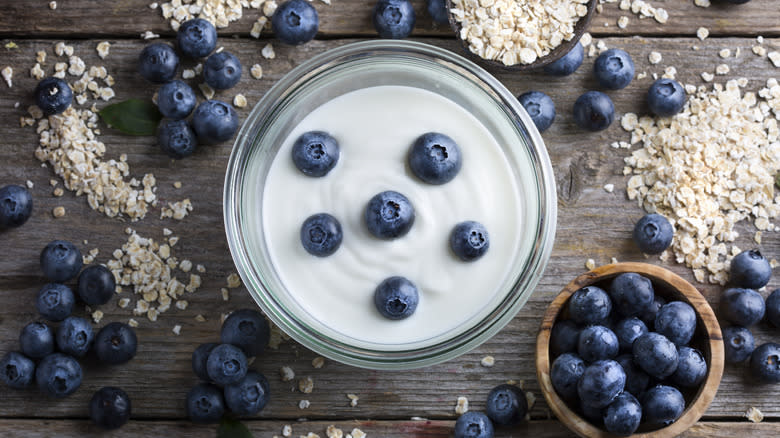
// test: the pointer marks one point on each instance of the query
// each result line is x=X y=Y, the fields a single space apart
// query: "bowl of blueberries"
x=629 y=349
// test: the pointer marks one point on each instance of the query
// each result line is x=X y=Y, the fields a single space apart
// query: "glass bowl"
x=356 y=67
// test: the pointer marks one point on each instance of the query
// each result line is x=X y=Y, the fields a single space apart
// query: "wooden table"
x=591 y=224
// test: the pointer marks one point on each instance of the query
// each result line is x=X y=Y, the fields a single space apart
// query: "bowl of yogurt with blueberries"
x=389 y=204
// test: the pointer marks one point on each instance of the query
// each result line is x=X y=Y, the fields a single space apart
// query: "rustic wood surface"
x=591 y=224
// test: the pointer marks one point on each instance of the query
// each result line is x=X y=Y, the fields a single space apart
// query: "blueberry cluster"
x=506 y=406
x=433 y=158
x=623 y=357
x=48 y=356
x=228 y=383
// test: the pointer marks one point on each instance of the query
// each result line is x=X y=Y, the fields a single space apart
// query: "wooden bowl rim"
x=707 y=391
x=579 y=29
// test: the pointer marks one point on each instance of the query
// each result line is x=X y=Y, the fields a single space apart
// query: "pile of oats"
x=516 y=31
x=708 y=168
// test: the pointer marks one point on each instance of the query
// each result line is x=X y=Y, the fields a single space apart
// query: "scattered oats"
x=207 y=91
x=269 y=7
x=760 y=39
x=722 y=69
x=356 y=433
x=11 y=45
x=661 y=15
x=52 y=5
x=334 y=432
x=185 y=265
x=702 y=33
x=173 y=240
x=149 y=35
x=462 y=405
x=724 y=53
x=590 y=264
x=103 y=48
x=775 y=58
x=200 y=318
x=310 y=435
x=198 y=69
x=318 y=362
x=8 y=74
x=177 y=184
x=268 y=51
x=123 y=302
x=757 y=237
x=303 y=404
x=487 y=361
x=132 y=323
x=167 y=232
x=176 y=330
x=152 y=314
x=655 y=58
x=29 y=184
x=58 y=211
x=707 y=76
x=37 y=72
x=754 y=415
x=286 y=373
x=200 y=268
x=287 y=430
x=702 y=3
x=176 y=210
x=670 y=72
x=531 y=399
x=58 y=192
x=187 y=73
x=257 y=71
x=353 y=399
x=306 y=385
x=774 y=263
x=759 y=50
x=586 y=39
x=153 y=5
x=239 y=101
x=609 y=188
x=225 y=294
x=622 y=22
x=233 y=280
x=97 y=315
x=182 y=304
x=613 y=260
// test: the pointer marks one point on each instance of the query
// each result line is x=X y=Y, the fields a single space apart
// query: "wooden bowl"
x=562 y=49
x=708 y=339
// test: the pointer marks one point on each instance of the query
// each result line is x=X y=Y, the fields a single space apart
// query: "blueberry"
x=622 y=416
x=36 y=340
x=653 y=233
x=666 y=97
x=214 y=121
x=205 y=403
x=565 y=372
x=601 y=382
x=396 y=298
x=110 y=407
x=597 y=342
x=738 y=343
x=389 y=215
x=315 y=153
x=61 y=261
x=55 y=301
x=58 y=375
x=636 y=379
x=750 y=269
x=53 y=95
x=176 y=100
x=116 y=343
x=631 y=293
x=627 y=330
x=662 y=405
x=765 y=363
x=614 y=69
x=648 y=317
x=158 y=63
x=563 y=337
x=540 y=107
x=321 y=234
x=656 y=355
x=16 y=205
x=96 y=285
x=473 y=425
x=435 y=158
x=16 y=370
x=222 y=70
x=437 y=9
x=249 y=395
x=691 y=368
x=594 y=111
x=566 y=64
x=196 y=38
x=590 y=305
x=394 y=18
x=469 y=240
x=248 y=330
x=199 y=358
x=594 y=414
x=295 y=22
x=176 y=138
x=742 y=306
x=506 y=405
x=677 y=321
x=74 y=336
x=772 y=306
x=226 y=364
x=738 y=2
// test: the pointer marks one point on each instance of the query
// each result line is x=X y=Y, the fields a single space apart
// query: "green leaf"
x=232 y=428
x=133 y=116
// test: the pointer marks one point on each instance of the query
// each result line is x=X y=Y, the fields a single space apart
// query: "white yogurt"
x=375 y=127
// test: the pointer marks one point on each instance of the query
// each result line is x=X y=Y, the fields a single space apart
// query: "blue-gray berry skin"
x=750 y=269
x=53 y=95
x=435 y=158
x=622 y=416
x=214 y=121
x=321 y=234
x=540 y=107
x=199 y=357
x=632 y=294
x=594 y=111
x=437 y=9
x=593 y=414
x=116 y=343
x=205 y=403
x=196 y=38
x=648 y=316
x=176 y=100
x=295 y=22
x=226 y=364
x=691 y=368
x=16 y=206
x=765 y=363
x=590 y=305
x=636 y=379
x=738 y=343
x=597 y=342
x=614 y=69
x=627 y=330
x=474 y=424
x=601 y=382
x=396 y=298
x=662 y=405
x=389 y=215
x=563 y=337
x=222 y=70
x=772 y=308
x=653 y=233
x=58 y=375
x=656 y=355
x=248 y=330
x=568 y=63
x=110 y=407
x=743 y=307
x=506 y=405
x=96 y=285
x=158 y=63
x=17 y=370
x=61 y=261
x=249 y=395
x=74 y=336
x=176 y=138
x=666 y=97
x=469 y=240
x=55 y=301
x=565 y=372
x=677 y=321
x=315 y=153
x=394 y=18
x=36 y=340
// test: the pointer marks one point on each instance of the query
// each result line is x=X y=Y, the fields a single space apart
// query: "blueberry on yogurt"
x=315 y=153
x=321 y=234
x=469 y=240
x=435 y=158
x=389 y=215
x=396 y=298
